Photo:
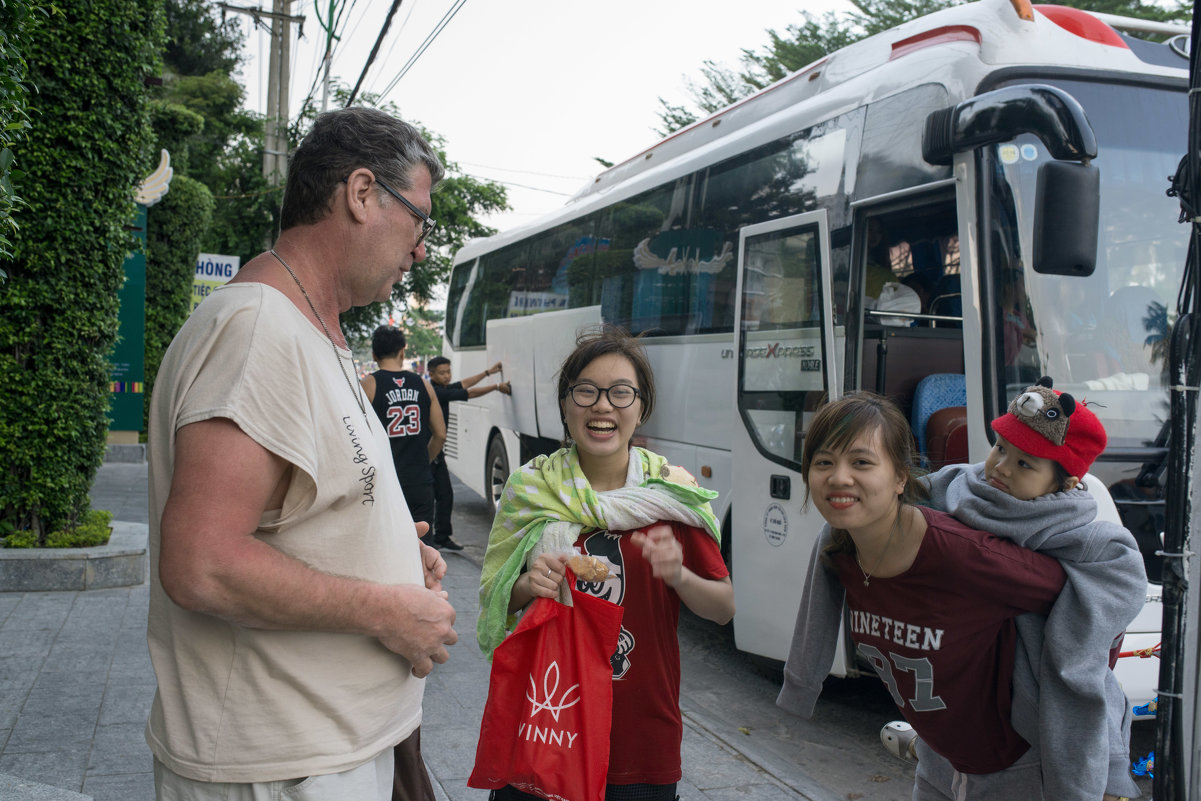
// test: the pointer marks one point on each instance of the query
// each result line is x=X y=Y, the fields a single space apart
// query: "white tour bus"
x=943 y=212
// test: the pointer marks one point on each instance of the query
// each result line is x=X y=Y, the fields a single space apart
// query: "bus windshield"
x=1102 y=337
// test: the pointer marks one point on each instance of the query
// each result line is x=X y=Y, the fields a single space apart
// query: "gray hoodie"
x=1066 y=700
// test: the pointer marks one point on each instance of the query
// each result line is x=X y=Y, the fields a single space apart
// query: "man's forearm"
x=471 y=381
x=258 y=586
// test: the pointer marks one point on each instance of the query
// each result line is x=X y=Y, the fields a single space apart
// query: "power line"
x=374 y=50
x=343 y=12
x=446 y=18
x=530 y=172
x=387 y=58
x=519 y=186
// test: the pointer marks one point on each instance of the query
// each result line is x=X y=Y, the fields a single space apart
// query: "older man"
x=293 y=611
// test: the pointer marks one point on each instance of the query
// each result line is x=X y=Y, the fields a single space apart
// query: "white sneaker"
x=899 y=739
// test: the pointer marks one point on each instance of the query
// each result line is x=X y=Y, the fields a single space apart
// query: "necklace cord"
x=867 y=577
x=341 y=367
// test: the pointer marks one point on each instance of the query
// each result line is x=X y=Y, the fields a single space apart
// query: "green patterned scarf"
x=552 y=490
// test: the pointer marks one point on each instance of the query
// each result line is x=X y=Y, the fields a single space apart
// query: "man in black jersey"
x=444 y=495
x=415 y=425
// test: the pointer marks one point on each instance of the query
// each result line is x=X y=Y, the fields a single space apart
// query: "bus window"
x=887 y=159
x=910 y=266
x=460 y=280
x=545 y=277
x=657 y=275
x=781 y=179
x=498 y=292
x=782 y=378
x=1103 y=336
x=573 y=262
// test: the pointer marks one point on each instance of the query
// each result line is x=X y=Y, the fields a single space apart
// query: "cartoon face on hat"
x=1051 y=424
x=1044 y=411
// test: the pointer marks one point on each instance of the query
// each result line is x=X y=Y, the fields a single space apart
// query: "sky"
x=528 y=92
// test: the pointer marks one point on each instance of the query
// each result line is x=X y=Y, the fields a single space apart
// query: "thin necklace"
x=867 y=577
x=341 y=367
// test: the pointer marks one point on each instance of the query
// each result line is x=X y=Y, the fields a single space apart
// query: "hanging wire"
x=343 y=12
x=446 y=18
x=519 y=186
x=387 y=57
x=383 y=31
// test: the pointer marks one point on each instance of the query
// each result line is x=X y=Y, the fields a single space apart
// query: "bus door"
x=786 y=344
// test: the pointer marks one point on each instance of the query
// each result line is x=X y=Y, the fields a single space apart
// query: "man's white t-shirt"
x=236 y=704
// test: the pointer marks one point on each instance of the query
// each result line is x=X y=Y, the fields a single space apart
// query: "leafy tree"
x=423 y=332
x=89 y=146
x=227 y=157
x=199 y=43
x=15 y=18
x=814 y=37
x=1180 y=12
x=226 y=154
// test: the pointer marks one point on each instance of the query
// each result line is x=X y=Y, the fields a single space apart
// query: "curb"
x=120 y=563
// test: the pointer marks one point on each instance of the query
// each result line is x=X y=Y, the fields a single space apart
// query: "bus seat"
x=934 y=392
x=946 y=437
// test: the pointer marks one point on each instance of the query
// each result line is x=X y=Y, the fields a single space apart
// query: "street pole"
x=283 y=113
x=275 y=130
x=270 y=123
x=325 y=62
x=279 y=72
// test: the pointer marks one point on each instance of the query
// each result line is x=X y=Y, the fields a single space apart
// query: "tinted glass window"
x=1103 y=336
x=497 y=290
x=653 y=275
x=561 y=268
x=782 y=374
x=459 y=279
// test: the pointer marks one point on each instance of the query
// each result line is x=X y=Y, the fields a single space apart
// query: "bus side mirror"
x=1066 y=218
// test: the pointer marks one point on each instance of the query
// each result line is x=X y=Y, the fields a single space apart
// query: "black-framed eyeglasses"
x=620 y=396
x=427 y=222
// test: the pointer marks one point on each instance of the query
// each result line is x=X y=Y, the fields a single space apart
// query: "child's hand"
x=546 y=574
x=662 y=550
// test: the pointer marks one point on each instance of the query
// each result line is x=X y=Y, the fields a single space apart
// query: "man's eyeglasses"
x=427 y=224
x=620 y=396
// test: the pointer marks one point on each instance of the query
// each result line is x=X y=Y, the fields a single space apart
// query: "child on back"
x=1029 y=491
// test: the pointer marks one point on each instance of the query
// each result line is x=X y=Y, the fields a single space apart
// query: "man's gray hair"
x=341 y=142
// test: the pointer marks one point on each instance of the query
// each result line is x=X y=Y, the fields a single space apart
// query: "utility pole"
x=279 y=72
x=279 y=69
x=329 y=47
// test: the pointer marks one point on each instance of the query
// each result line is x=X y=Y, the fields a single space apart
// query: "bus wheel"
x=497 y=467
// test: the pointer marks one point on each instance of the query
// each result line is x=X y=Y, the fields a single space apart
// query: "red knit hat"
x=1051 y=424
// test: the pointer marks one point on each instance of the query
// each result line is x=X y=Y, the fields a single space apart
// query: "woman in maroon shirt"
x=930 y=604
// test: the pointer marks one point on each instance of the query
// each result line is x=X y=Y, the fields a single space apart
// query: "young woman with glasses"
x=646 y=521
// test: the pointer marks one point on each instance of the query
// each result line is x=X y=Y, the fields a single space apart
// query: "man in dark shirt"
x=416 y=428
x=444 y=496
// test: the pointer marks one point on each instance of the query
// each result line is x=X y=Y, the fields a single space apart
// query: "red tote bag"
x=550 y=702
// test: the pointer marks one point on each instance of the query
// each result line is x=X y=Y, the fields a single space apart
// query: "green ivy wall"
x=88 y=147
